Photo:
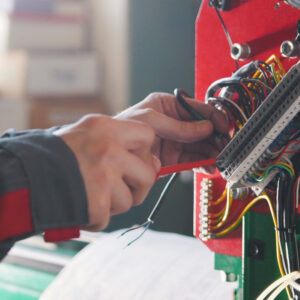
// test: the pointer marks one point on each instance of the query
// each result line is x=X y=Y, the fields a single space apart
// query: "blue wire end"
x=146 y=228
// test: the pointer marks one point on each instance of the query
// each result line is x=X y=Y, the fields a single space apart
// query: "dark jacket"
x=41 y=188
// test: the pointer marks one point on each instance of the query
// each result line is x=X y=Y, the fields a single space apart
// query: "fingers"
x=208 y=112
x=138 y=175
x=132 y=177
x=130 y=134
x=116 y=163
x=121 y=199
x=170 y=128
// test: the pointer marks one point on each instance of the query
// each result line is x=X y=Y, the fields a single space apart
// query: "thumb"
x=177 y=130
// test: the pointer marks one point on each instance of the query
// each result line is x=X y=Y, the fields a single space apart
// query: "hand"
x=178 y=137
x=116 y=163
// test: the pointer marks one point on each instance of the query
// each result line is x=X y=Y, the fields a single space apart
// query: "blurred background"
x=61 y=59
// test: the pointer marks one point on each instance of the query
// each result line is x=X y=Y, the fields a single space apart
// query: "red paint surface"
x=263 y=27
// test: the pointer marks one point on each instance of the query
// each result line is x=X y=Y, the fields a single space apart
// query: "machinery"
x=248 y=66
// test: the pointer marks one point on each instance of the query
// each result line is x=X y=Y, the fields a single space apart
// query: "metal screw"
x=290 y=49
x=240 y=51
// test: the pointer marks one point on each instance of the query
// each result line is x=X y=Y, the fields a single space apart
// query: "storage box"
x=45 y=115
x=38 y=32
x=49 y=75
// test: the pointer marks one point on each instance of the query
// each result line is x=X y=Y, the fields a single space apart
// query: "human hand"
x=115 y=161
x=178 y=137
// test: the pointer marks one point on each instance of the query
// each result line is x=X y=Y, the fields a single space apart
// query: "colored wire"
x=134 y=228
x=146 y=228
x=220 y=199
x=155 y=210
x=250 y=97
x=297 y=191
x=194 y=113
x=236 y=106
x=227 y=209
x=246 y=209
x=277 y=165
x=284 y=152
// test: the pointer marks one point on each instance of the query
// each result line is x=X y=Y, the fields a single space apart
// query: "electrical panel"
x=248 y=66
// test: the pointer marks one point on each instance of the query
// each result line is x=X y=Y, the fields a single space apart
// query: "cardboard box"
x=49 y=75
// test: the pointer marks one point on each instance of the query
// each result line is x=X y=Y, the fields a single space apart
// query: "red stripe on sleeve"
x=58 y=235
x=15 y=215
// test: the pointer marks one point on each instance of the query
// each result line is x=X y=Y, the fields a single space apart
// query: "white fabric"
x=159 y=266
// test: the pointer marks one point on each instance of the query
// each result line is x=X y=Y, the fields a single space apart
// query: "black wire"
x=214 y=2
x=290 y=232
x=279 y=217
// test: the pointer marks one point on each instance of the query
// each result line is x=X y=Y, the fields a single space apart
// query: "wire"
x=283 y=152
x=194 y=113
x=264 y=196
x=296 y=192
x=278 y=282
x=236 y=106
x=225 y=30
x=280 y=165
x=250 y=97
x=155 y=210
x=246 y=209
x=227 y=209
x=133 y=241
x=134 y=228
x=282 y=287
x=221 y=198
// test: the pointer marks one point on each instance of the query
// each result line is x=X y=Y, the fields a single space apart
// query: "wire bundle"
x=279 y=285
x=240 y=95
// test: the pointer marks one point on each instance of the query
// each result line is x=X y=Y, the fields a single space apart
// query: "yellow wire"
x=278 y=62
x=218 y=214
x=287 y=165
x=220 y=200
x=227 y=209
x=280 y=163
x=264 y=196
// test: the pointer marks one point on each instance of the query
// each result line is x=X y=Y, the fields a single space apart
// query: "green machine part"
x=20 y=282
x=258 y=268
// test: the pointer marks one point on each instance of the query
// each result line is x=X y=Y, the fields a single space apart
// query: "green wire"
x=268 y=171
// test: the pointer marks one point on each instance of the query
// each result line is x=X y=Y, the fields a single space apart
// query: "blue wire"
x=146 y=228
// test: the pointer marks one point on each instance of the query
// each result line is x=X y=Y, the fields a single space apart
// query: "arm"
x=76 y=176
x=41 y=187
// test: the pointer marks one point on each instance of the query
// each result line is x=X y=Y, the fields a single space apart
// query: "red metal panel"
x=258 y=23
x=263 y=25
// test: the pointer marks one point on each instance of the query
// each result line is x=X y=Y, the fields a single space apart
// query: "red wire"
x=250 y=95
x=283 y=152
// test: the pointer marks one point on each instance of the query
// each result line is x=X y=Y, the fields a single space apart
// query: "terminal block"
x=266 y=127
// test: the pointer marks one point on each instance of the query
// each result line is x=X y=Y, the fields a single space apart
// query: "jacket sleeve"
x=41 y=188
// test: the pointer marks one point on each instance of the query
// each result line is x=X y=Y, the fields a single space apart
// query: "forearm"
x=41 y=188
